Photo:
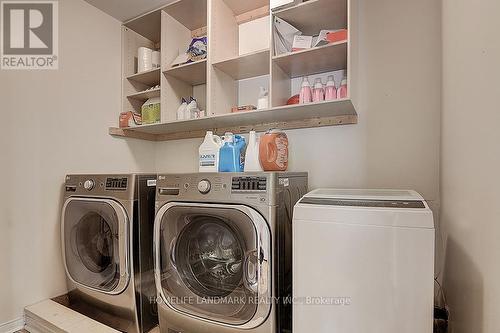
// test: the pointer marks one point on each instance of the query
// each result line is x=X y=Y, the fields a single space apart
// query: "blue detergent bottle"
x=231 y=155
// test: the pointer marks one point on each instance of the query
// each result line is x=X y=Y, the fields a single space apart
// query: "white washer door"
x=95 y=244
x=212 y=262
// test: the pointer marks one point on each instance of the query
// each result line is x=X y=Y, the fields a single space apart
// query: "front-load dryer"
x=223 y=251
x=107 y=242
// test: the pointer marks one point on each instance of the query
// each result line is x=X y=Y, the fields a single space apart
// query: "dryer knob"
x=204 y=186
x=89 y=185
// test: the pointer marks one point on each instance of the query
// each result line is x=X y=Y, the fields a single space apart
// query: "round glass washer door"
x=95 y=239
x=212 y=262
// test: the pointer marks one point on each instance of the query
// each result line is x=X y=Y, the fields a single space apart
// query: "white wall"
x=471 y=163
x=53 y=123
x=56 y=123
x=396 y=143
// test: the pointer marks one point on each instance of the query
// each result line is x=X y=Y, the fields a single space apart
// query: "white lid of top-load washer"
x=398 y=208
x=355 y=194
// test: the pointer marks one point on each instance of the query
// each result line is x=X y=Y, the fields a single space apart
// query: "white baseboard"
x=12 y=326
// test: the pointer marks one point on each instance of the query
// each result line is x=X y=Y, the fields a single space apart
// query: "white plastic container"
x=252 y=161
x=263 y=101
x=209 y=153
x=144 y=59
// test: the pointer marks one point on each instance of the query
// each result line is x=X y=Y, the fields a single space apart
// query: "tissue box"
x=301 y=42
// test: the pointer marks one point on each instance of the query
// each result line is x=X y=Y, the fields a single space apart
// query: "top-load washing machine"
x=223 y=251
x=107 y=241
x=363 y=261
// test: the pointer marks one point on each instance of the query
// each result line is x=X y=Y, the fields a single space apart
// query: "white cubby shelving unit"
x=240 y=59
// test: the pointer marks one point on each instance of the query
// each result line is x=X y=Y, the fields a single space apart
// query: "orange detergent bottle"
x=273 y=151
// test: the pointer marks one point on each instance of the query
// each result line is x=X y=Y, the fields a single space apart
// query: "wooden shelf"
x=150 y=78
x=340 y=112
x=190 y=13
x=194 y=73
x=242 y=6
x=246 y=66
x=145 y=95
x=321 y=59
x=147 y=25
x=314 y=15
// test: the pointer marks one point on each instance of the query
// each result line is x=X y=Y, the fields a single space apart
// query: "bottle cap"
x=318 y=84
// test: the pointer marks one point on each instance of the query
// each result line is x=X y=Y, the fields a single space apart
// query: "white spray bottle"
x=252 y=162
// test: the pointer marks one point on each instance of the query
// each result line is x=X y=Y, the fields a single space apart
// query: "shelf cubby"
x=149 y=78
x=314 y=15
x=330 y=57
x=229 y=22
x=246 y=66
x=135 y=84
x=145 y=95
x=181 y=21
x=194 y=73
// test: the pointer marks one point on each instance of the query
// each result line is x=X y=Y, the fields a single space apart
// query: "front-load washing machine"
x=223 y=251
x=107 y=242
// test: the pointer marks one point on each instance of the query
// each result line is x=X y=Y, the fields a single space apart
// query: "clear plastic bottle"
x=305 y=95
x=331 y=89
x=342 y=91
x=318 y=91
x=181 y=111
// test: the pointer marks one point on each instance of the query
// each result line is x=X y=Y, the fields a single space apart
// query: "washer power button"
x=204 y=186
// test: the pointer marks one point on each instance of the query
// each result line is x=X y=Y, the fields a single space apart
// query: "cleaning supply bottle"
x=273 y=150
x=232 y=154
x=331 y=89
x=240 y=151
x=209 y=153
x=192 y=110
x=263 y=101
x=252 y=161
x=181 y=111
x=305 y=95
x=342 y=91
x=226 y=154
x=318 y=91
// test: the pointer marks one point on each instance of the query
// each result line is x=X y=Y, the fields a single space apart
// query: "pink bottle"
x=318 y=91
x=305 y=95
x=342 y=91
x=331 y=90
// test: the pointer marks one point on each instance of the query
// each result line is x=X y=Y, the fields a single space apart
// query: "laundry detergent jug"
x=273 y=151
x=209 y=153
x=232 y=154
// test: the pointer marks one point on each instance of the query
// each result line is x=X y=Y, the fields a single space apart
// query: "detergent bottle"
x=209 y=153
x=252 y=162
x=240 y=145
x=231 y=155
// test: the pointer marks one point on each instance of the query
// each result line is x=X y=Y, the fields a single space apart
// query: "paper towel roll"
x=144 y=59
x=156 y=59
